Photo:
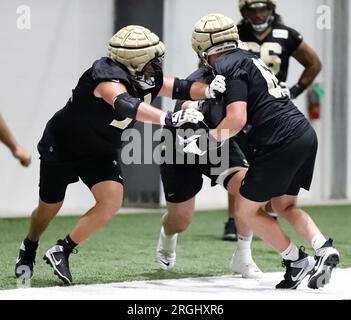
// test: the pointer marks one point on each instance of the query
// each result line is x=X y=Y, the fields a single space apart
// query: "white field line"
x=209 y=288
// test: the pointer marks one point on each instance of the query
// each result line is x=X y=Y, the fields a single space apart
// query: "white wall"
x=39 y=67
x=180 y=17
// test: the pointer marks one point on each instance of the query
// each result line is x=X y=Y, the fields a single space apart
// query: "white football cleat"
x=166 y=251
x=243 y=264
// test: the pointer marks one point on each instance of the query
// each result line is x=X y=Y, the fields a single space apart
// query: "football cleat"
x=296 y=271
x=327 y=257
x=57 y=258
x=25 y=263
x=166 y=251
x=230 y=233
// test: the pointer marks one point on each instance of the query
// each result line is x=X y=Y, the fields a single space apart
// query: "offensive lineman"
x=82 y=139
x=265 y=35
x=284 y=161
x=182 y=182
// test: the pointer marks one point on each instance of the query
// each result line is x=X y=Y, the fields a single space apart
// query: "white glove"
x=216 y=87
x=285 y=88
x=176 y=119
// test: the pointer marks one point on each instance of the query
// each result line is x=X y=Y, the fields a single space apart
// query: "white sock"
x=290 y=253
x=168 y=240
x=244 y=242
x=317 y=241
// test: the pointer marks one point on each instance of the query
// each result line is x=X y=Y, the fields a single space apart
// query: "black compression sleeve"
x=181 y=89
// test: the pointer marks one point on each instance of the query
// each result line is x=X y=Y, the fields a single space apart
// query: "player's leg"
x=298 y=264
x=108 y=196
x=103 y=178
x=327 y=257
x=242 y=261
x=230 y=232
x=180 y=183
x=240 y=152
x=54 y=178
x=40 y=219
x=174 y=221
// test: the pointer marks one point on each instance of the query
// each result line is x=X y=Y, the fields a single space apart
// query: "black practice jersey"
x=87 y=126
x=275 y=49
x=214 y=110
x=272 y=116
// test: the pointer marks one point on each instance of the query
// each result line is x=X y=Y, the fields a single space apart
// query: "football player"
x=286 y=147
x=182 y=182
x=82 y=139
x=264 y=34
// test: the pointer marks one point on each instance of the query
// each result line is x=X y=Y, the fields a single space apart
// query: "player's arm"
x=310 y=60
x=232 y=123
x=8 y=139
x=236 y=114
x=192 y=90
x=125 y=105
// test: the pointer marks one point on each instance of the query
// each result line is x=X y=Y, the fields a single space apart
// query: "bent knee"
x=179 y=222
x=281 y=208
x=109 y=207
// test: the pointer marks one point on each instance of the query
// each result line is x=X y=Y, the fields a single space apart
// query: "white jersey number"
x=272 y=82
x=269 y=53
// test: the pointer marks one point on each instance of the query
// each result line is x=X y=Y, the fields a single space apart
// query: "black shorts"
x=281 y=170
x=55 y=176
x=181 y=182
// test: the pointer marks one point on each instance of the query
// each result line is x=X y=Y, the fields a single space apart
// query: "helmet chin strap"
x=204 y=60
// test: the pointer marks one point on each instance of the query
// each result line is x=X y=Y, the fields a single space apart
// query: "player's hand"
x=216 y=87
x=23 y=156
x=285 y=88
x=176 y=119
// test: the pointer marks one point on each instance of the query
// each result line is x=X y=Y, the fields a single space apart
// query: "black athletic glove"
x=296 y=90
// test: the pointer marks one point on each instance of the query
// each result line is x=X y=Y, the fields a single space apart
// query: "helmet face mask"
x=135 y=47
x=146 y=78
x=258 y=13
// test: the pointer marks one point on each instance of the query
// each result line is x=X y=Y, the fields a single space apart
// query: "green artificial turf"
x=125 y=249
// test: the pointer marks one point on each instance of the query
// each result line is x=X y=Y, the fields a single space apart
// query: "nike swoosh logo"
x=165 y=263
x=57 y=262
x=297 y=276
x=170 y=194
